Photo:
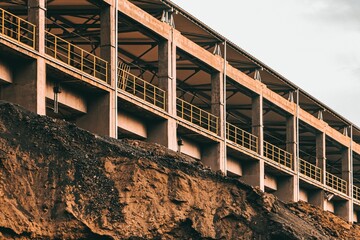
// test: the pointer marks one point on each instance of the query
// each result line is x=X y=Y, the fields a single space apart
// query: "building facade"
x=149 y=70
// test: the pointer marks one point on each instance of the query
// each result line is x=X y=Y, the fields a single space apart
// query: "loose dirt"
x=60 y=182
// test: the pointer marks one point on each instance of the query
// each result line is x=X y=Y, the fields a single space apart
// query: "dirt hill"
x=61 y=182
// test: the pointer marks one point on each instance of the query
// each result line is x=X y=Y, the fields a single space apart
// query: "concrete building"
x=149 y=70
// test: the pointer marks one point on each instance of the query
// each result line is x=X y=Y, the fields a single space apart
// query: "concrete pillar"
x=254 y=171
x=345 y=208
x=217 y=100
x=29 y=80
x=29 y=86
x=36 y=15
x=317 y=198
x=107 y=40
x=321 y=154
x=164 y=132
x=288 y=185
x=108 y=53
x=213 y=155
x=99 y=118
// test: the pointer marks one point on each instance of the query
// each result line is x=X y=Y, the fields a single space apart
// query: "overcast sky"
x=313 y=43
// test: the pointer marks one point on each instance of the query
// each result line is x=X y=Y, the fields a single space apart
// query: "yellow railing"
x=196 y=115
x=241 y=137
x=277 y=154
x=310 y=170
x=356 y=192
x=138 y=87
x=336 y=182
x=72 y=55
x=17 y=28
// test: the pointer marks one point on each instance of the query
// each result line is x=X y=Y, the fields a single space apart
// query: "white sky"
x=313 y=43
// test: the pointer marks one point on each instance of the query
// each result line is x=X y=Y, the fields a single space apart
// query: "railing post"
x=82 y=59
x=55 y=47
x=154 y=96
x=3 y=21
x=134 y=84
x=19 y=29
x=69 y=55
x=94 y=66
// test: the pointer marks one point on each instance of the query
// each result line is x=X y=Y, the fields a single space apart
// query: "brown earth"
x=61 y=182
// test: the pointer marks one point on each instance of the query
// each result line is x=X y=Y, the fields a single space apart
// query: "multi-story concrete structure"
x=151 y=71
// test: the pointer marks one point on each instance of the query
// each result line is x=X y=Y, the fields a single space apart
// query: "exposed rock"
x=61 y=182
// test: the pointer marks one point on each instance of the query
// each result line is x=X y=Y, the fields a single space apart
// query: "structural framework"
x=147 y=69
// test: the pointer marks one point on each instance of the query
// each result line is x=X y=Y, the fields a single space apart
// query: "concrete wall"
x=270 y=182
x=133 y=124
x=303 y=195
x=329 y=206
x=191 y=148
x=234 y=166
x=68 y=97
x=6 y=74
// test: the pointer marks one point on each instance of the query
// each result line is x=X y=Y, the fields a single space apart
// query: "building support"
x=287 y=185
x=164 y=132
x=317 y=197
x=108 y=53
x=344 y=208
x=214 y=154
x=253 y=172
x=101 y=114
x=29 y=84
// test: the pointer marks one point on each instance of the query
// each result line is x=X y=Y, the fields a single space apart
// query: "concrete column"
x=257 y=122
x=345 y=208
x=164 y=132
x=99 y=118
x=107 y=40
x=288 y=185
x=317 y=198
x=29 y=80
x=217 y=100
x=321 y=154
x=254 y=171
x=213 y=155
x=108 y=53
x=36 y=15
x=29 y=86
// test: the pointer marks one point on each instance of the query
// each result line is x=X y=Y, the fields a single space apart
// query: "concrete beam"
x=145 y=19
x=68 y=97
x=132 y=124
x=6 y=74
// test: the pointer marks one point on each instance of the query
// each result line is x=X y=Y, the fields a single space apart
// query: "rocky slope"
x=61 y=182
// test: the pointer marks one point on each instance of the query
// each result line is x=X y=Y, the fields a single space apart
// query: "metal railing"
x=140 y=88
x=241 y=137
x=74 y=56
x=336 y=183
x=17 y=28
x=356 y=192
x=277 y=155
x=310 y=170
x=196 y=115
